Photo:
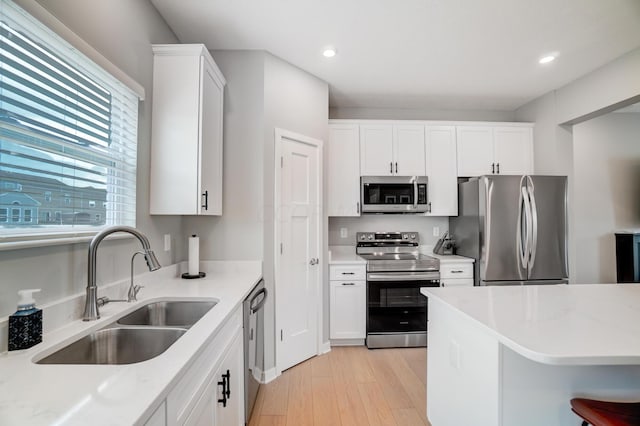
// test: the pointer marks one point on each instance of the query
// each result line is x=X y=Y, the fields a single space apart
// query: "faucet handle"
x=102 y=301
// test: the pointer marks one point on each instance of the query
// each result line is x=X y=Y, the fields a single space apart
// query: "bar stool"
x=604 y=413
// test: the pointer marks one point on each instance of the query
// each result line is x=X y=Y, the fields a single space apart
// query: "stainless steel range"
x=396 y=311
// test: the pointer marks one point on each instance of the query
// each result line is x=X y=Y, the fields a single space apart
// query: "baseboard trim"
x=324 y=348
x=269 y=375
x=347 y=342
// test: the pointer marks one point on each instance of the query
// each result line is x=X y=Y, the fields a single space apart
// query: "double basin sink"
x=139 y=336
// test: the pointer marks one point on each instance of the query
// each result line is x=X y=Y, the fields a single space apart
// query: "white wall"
x=238 y=233
x=122 y=31
x=419 y=114
x=606 y=158
x=299 y=102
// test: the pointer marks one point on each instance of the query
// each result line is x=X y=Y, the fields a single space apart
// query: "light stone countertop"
x=597 y=324
x=118 y=394
x=344 y=255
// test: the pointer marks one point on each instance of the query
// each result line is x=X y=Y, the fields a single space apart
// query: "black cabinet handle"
x=348 y=273
x=396 y=167
x=348 y=283
x=493 y=168
x=391 y=167
x=498 y=168
x=206 y=200
x=226 y=388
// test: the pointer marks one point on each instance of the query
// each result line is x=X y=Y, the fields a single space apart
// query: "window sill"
x=16 y=242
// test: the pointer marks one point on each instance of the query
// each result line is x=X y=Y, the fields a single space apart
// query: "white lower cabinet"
x=347 y=305
x=222 y=401
x=196 y=398
x=456 y=274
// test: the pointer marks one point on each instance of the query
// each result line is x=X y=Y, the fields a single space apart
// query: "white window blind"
x=68 y=135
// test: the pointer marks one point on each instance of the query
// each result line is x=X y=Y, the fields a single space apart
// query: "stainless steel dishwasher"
x=253 y=345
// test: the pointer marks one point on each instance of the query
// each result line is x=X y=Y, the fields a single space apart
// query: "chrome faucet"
x=91 y=305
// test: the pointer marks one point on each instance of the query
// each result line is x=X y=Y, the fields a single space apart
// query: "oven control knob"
x=405 y=236
x=370 y=237
x=363 y=237
x=413 y=236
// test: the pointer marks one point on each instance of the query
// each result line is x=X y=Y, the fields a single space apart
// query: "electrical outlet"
x=436 y=231
x=167 y=242
x=344 y=233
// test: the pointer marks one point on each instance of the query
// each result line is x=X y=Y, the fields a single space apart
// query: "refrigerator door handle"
x=523 y=231
x=534 y=224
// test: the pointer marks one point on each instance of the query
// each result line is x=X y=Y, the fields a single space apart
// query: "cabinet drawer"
x=347 y=272
x=456 y=270
x=456 y=282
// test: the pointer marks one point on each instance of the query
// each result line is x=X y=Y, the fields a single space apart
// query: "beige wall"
x=122 y=31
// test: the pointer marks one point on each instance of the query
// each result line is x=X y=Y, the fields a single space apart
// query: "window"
x=68 y=131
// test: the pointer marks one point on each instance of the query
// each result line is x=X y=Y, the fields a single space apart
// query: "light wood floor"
x=349 y=386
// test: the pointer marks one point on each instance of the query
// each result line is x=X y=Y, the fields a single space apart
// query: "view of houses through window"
x=68 y=133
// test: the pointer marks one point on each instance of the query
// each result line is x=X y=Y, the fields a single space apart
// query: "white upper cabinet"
x=187 y=119
x=408 y=150
x=376 y=150
x=442 y=191
x=513 y=148
x=388 y=150
x=343 y=170
x=485 y=150
x=475 y=150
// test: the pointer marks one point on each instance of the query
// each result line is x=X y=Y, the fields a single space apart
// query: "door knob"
x=314 y=261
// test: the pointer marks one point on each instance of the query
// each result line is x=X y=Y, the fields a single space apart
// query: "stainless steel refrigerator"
x=515 y=227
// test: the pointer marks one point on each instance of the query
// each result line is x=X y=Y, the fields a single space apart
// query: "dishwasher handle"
x=260 y=304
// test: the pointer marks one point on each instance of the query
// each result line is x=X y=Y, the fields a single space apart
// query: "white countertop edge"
x=158 y=375
x=543 y=358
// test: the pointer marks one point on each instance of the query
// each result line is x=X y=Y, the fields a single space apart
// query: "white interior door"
x=298 y=295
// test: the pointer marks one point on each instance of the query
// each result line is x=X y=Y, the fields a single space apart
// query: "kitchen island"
x=168 y=389
x=517 y=355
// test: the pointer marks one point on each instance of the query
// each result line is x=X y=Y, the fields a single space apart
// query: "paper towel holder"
x=188 y=276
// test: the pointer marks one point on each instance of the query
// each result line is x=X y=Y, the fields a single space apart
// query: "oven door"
x=394 y=194
x=394 y=302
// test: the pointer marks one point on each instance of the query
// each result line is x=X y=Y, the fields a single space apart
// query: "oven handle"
x=410 y=276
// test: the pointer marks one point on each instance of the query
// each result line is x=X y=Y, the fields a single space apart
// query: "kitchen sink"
x=116 y=346
x=168 y=314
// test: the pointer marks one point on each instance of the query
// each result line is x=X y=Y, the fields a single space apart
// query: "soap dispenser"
x=25 y=326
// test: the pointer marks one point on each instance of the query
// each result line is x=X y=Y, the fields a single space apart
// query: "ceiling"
x=422 y=54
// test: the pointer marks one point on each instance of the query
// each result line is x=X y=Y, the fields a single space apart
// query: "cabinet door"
x=343 y=191
x=442 y=170
x=233 y=365
x=210 y=161
x=475 y=150
x=376 y=150
x=456 y=282
x=347 y=316
x=513 y=150
x=408 y=150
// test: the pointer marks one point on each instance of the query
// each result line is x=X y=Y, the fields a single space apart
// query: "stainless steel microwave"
x=394 y=194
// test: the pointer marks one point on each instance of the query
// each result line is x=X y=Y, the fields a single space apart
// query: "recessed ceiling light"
x=329 y=52
x=547 y=59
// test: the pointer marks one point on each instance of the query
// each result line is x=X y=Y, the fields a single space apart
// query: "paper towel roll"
x=194 y=255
